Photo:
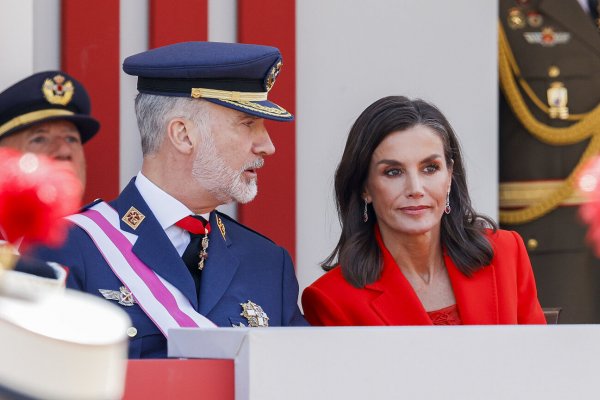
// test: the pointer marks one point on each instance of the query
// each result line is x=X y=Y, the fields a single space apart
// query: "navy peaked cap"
x=46 y=96
x=233 y=75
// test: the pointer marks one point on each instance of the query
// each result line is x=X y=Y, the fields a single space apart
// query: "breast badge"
x=123 y=296
x=133 y=217
x=548 y=37
x=255 y=315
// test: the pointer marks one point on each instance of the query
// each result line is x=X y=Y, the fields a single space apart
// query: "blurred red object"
x=35 y=193
x=589 y=184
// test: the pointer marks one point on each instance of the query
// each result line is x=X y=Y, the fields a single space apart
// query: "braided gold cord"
x=531 y=213
x=575 y=133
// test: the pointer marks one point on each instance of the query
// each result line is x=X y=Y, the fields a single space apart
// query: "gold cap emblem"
x=133 y=217
x=273 y=75
x=58 y=90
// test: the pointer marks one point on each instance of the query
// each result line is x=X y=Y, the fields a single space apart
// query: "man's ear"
x=179 y=135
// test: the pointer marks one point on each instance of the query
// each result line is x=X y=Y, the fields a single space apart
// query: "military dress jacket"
x=567 y=273
x=242 y=266
x=503 y=292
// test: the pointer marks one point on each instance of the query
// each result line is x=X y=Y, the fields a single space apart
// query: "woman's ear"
x=179 y=135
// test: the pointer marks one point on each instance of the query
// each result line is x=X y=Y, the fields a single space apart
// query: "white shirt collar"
x=166 y=209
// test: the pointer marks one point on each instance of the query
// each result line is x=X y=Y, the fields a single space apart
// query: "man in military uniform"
x=161 y=250
x=48 y=113
x=549 y=126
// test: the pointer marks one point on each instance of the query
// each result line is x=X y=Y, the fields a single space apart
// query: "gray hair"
x=153 y=113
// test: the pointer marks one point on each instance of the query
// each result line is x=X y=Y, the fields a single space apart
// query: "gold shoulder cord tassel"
x=588 y=126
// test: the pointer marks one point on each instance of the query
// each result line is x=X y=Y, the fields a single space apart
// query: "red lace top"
x=445 y=316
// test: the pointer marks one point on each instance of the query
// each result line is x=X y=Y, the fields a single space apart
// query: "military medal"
x=535 y=19
x=516 y=18
x=557 y=100
x=255 y=315
x=204 y=244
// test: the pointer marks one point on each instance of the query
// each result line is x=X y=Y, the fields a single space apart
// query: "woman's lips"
x=414 y=210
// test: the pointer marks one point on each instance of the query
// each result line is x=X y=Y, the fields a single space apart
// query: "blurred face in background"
x=59 y=140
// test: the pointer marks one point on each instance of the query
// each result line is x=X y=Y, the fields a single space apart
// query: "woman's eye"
x=432 y=168
x=392 y=172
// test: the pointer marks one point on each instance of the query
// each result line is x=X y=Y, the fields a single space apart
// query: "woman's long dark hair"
x=462 y=231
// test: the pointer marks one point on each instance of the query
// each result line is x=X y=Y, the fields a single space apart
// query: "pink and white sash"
x=164 y=304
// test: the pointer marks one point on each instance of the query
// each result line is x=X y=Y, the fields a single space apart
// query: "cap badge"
x=255 y=315
x=133 y=217
x=58 y=90
x=124 y=297
x=270 y=81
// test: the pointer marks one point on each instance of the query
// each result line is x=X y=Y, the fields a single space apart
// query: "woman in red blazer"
x=412 y=250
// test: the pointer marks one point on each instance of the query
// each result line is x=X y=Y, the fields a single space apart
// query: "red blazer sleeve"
x=321 y=310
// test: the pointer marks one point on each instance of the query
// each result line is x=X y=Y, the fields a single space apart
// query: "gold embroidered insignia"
x=221 y=226
x=273 y=75
x=58 y=91
x=557 y=100
x=133 y=217
x=255 y=315
x=123 y=296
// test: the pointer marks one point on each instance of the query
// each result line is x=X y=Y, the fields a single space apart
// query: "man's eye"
x=38 y=140
x=73 y=139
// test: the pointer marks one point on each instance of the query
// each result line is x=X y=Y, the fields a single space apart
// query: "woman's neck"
x=417 y=256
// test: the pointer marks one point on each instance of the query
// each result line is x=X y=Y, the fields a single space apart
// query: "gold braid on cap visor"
x=228 y=95
x=32 y=117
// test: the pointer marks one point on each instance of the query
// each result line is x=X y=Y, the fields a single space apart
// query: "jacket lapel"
x=220 y=267
x=153 y=247
x=397 y=303
x=476 y=296
x=571 y=16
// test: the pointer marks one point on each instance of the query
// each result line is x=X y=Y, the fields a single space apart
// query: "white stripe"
x=134 y=283
x=184 y=304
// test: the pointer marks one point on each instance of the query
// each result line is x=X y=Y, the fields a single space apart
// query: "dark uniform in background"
x=550 y=81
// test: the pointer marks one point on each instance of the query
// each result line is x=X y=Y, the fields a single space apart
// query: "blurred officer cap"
x=233 y=75
x=46 y=96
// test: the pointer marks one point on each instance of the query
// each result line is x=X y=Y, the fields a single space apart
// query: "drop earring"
x=365 y=212
x=447 y=209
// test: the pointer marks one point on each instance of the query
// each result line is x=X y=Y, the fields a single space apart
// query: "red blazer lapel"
x=476 y=296
x=397 y=303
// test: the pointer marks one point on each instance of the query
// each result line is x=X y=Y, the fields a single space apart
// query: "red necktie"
x=195 y=253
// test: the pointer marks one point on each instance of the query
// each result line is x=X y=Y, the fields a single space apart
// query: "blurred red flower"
x=589 y=184
x=35 y=194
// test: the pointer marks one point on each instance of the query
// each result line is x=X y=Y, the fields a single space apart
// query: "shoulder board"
x=89 y=205
x=228 y=218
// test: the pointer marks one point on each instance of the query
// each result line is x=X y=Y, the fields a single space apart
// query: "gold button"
x=131 y=332
x=532 y=244
x=553 y=71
